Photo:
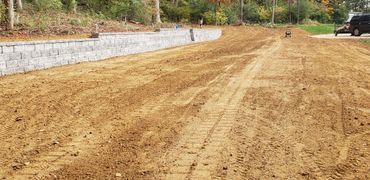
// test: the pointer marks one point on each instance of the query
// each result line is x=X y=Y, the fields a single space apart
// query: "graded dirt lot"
x=251 y=105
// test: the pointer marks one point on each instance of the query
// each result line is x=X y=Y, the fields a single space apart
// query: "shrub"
x=221 y=18
x=281 y=14
x=305 y=10
x=174 y=13
x=340 y=14
x=71 y=5
x=119 y=10
x=264 y=14
x=197 y=9
x=45 y=5
x=251 y=12
x=232 y=14
x=319 y=13
x=209 y=17
x=74 y=21
x=310 y=22
x=140 y=12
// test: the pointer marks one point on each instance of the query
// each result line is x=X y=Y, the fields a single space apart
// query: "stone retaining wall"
x=16 y=57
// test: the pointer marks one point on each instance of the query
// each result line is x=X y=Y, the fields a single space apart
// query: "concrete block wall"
x=202 y=35
x=16 y=57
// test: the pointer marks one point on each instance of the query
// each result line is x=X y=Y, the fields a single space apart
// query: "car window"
x=355 y=18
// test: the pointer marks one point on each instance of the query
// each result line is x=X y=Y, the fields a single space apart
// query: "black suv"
x=360 y=24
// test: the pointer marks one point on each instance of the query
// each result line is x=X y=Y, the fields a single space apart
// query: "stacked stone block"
x=17 y=57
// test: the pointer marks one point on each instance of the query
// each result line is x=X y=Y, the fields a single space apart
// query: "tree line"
x=190 y=11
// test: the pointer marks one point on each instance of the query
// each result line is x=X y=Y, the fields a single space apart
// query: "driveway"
x=341 y=36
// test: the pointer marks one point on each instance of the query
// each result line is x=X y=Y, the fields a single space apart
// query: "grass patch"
x=318 y=29
x=365 y=41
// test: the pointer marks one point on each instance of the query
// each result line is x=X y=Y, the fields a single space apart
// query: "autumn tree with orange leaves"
x=328 y=6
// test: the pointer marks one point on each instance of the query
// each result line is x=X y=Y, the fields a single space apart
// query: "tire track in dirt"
x=270 y=144
x=343 y=155
x=244 y=106
x=344 y=71
x=83 y=143
x=197 y=154
x=156 y=106
x=266 y=128
x=351 y=158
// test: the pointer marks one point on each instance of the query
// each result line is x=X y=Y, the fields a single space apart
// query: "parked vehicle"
x=345 y=27
x=360 y=24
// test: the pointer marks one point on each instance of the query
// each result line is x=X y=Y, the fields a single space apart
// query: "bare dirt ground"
x=251 y=105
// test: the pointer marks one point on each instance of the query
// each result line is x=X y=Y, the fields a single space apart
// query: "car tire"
x=357 y=32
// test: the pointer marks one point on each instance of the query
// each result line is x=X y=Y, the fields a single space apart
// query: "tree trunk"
x=267 y=4
x=10 y=13
x=273 y=11
x=241 y=10
x=298 y=9
x=158 y=12
x=19 y=6
x=290 y=11
x=18 y=10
